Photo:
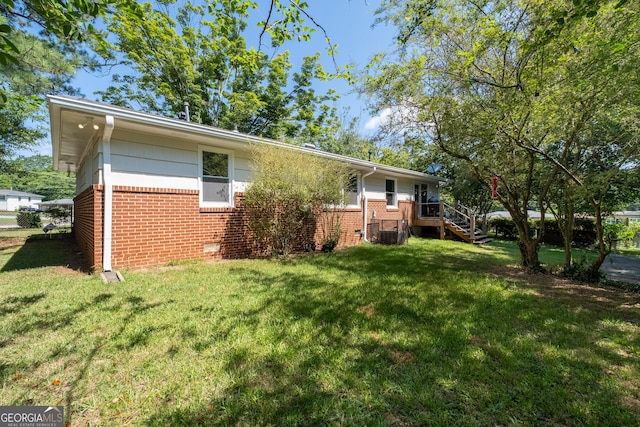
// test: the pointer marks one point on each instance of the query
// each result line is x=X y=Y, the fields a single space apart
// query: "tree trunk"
x=603 y=250
x=566 y=228
x=529 y=253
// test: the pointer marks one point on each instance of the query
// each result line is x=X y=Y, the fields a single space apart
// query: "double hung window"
x=216 y=178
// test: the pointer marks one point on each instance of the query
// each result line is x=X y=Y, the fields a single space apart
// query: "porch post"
x=472 y=231
x=441 y=210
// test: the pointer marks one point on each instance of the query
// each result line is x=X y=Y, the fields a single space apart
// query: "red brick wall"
x=155 y=226
x=403 y=211
x=87 y=226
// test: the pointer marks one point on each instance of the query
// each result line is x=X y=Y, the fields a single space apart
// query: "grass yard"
x=6 y=221
x=431 y=333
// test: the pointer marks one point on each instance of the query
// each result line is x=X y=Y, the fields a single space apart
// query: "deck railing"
x=460 y=215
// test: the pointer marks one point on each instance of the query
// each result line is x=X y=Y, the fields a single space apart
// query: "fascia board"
x=242 y=140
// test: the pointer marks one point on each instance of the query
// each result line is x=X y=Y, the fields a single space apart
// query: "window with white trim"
x=390 y=191
x=216 y=180
x=353 y=192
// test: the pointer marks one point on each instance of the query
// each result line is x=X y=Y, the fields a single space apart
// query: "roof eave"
x=57 y=103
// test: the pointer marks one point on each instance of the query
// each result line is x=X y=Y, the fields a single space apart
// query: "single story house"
x=142 y=197
x=58 y=203
x=624 y=217
x=506 y=215
x=11 y=200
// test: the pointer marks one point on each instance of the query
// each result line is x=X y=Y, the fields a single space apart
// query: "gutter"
x=108 y=193
x=159 y=122
x=366 y=204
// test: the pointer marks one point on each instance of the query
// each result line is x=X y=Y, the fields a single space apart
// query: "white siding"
x=87 y=172
x=376 y=189
x=152 y=161
x=405 y=189
x=156 y=162
x=130 y=179
x=13 y=203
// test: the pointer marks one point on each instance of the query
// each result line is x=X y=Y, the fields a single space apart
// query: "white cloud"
x=399 y=116
x=375 y=122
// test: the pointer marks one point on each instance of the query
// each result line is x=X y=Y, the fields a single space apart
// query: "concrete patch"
x=622 y=268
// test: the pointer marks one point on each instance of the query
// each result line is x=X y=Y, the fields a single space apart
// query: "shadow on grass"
x=42 y=250
x=409 y=346
x=81 y=347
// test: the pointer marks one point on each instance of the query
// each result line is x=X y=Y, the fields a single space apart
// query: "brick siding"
x=87 y=225
x=155 y=226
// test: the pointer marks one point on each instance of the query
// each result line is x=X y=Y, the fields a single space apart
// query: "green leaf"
x=618 y=47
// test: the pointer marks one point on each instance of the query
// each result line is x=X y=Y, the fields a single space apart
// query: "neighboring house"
x=142 y=198
x=507 y=215
x=624 y=216
x=11 y=200
x=58 y=203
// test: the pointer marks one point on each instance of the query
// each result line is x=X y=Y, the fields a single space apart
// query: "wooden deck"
x=428 y=222
x=458 y=221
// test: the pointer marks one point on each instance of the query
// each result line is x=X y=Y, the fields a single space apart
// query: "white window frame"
x=395 y=192
x=358 y=193
x=230 y=169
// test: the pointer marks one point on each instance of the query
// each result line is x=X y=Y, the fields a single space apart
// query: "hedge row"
x=584 y=231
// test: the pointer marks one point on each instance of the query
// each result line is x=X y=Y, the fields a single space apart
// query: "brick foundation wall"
x=155 y=226
x=403 y=211
x=87 y=225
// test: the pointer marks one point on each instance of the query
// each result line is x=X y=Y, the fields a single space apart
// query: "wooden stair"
x=461 y=224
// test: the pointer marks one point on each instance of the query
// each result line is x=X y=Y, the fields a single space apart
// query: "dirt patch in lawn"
x=11 y=242
x=574 y=294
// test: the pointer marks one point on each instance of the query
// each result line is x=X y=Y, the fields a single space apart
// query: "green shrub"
x=28 y=220
x=59 y=215
x=580 y=271
x=625 y=232
x=292 y=193
x=504 y=227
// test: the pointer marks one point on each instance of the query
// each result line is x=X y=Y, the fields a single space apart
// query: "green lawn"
x=431 y=333
x=9 y=221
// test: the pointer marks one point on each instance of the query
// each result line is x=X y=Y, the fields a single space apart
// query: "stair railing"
x=458 y=214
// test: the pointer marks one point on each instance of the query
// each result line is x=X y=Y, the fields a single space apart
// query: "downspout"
x=366 y=204
x=108 y=193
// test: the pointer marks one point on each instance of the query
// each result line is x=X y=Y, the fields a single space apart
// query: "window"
x=216 y=180
x=353 y=198
x=392 y=199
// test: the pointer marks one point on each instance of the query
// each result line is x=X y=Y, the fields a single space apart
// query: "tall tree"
x=70 y=20
x=508 y=86
x=35 y=174
x=42 y=66
x=39 y=54
x=197 y=53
